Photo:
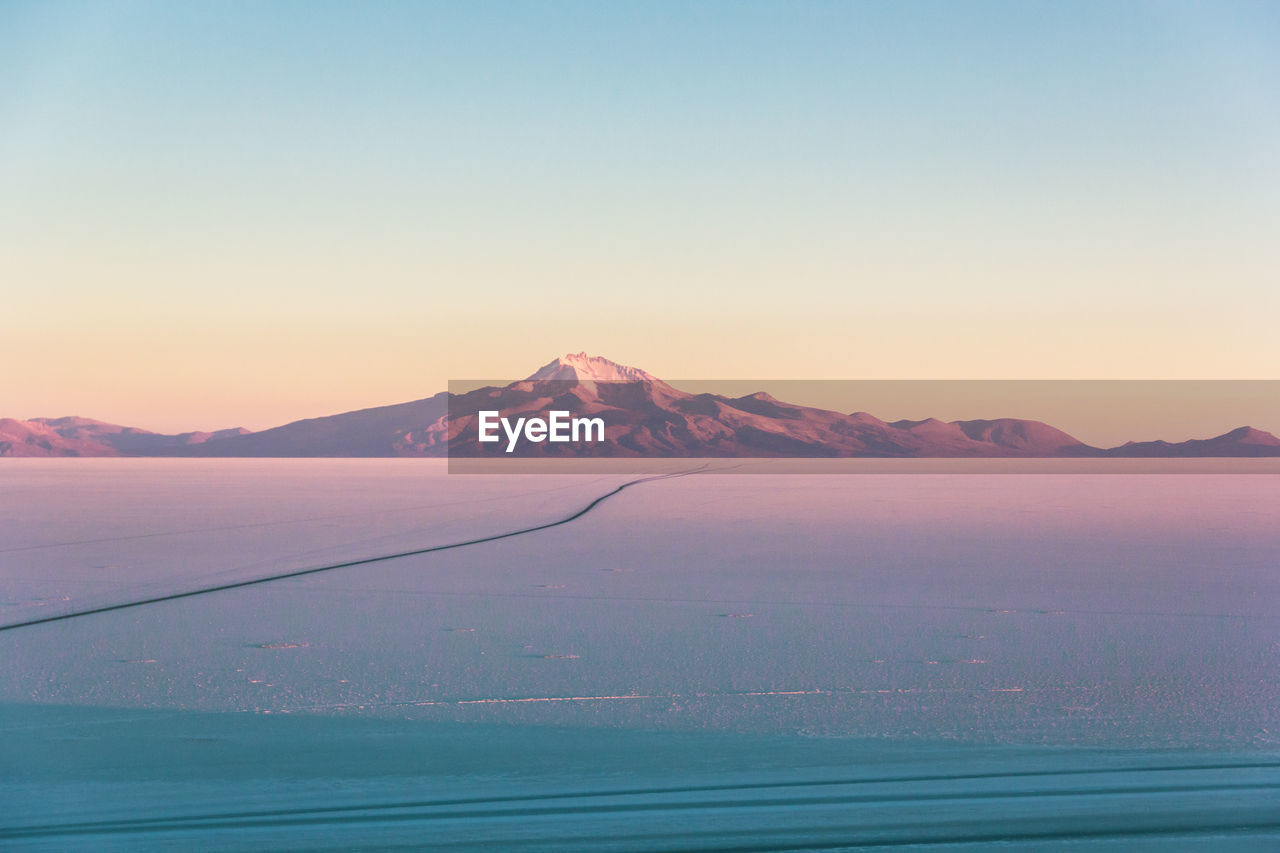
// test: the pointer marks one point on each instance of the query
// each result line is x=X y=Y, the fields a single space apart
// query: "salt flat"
x=756 y=630
x=86 y=532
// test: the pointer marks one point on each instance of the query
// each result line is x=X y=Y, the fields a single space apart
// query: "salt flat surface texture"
x=87 y=532
x=993 y=619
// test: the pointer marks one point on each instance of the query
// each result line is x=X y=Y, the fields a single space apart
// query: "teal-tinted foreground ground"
x=704 y=662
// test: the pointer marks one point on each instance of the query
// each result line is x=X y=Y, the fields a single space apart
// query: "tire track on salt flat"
x=347 y=564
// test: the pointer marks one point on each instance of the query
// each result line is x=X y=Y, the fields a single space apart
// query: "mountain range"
x=644 y=416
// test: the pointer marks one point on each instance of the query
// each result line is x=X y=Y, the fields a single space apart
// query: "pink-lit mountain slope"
x=644 y=416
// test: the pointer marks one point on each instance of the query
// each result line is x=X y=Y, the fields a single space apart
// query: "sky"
x=240 y=214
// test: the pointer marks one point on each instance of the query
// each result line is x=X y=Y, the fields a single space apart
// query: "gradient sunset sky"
x=224 y=214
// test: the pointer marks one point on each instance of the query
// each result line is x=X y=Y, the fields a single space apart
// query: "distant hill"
x=75 y=436
x=1243 y=441
x=644 y=416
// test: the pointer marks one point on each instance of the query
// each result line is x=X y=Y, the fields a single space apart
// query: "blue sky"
x=247 y=212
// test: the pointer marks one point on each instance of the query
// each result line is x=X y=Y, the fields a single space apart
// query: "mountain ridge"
x=643 y=414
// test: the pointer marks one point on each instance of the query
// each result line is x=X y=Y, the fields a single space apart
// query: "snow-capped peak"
x=589 y=368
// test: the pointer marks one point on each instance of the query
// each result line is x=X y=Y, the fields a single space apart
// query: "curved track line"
x=304 y=520
x=174 y=596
